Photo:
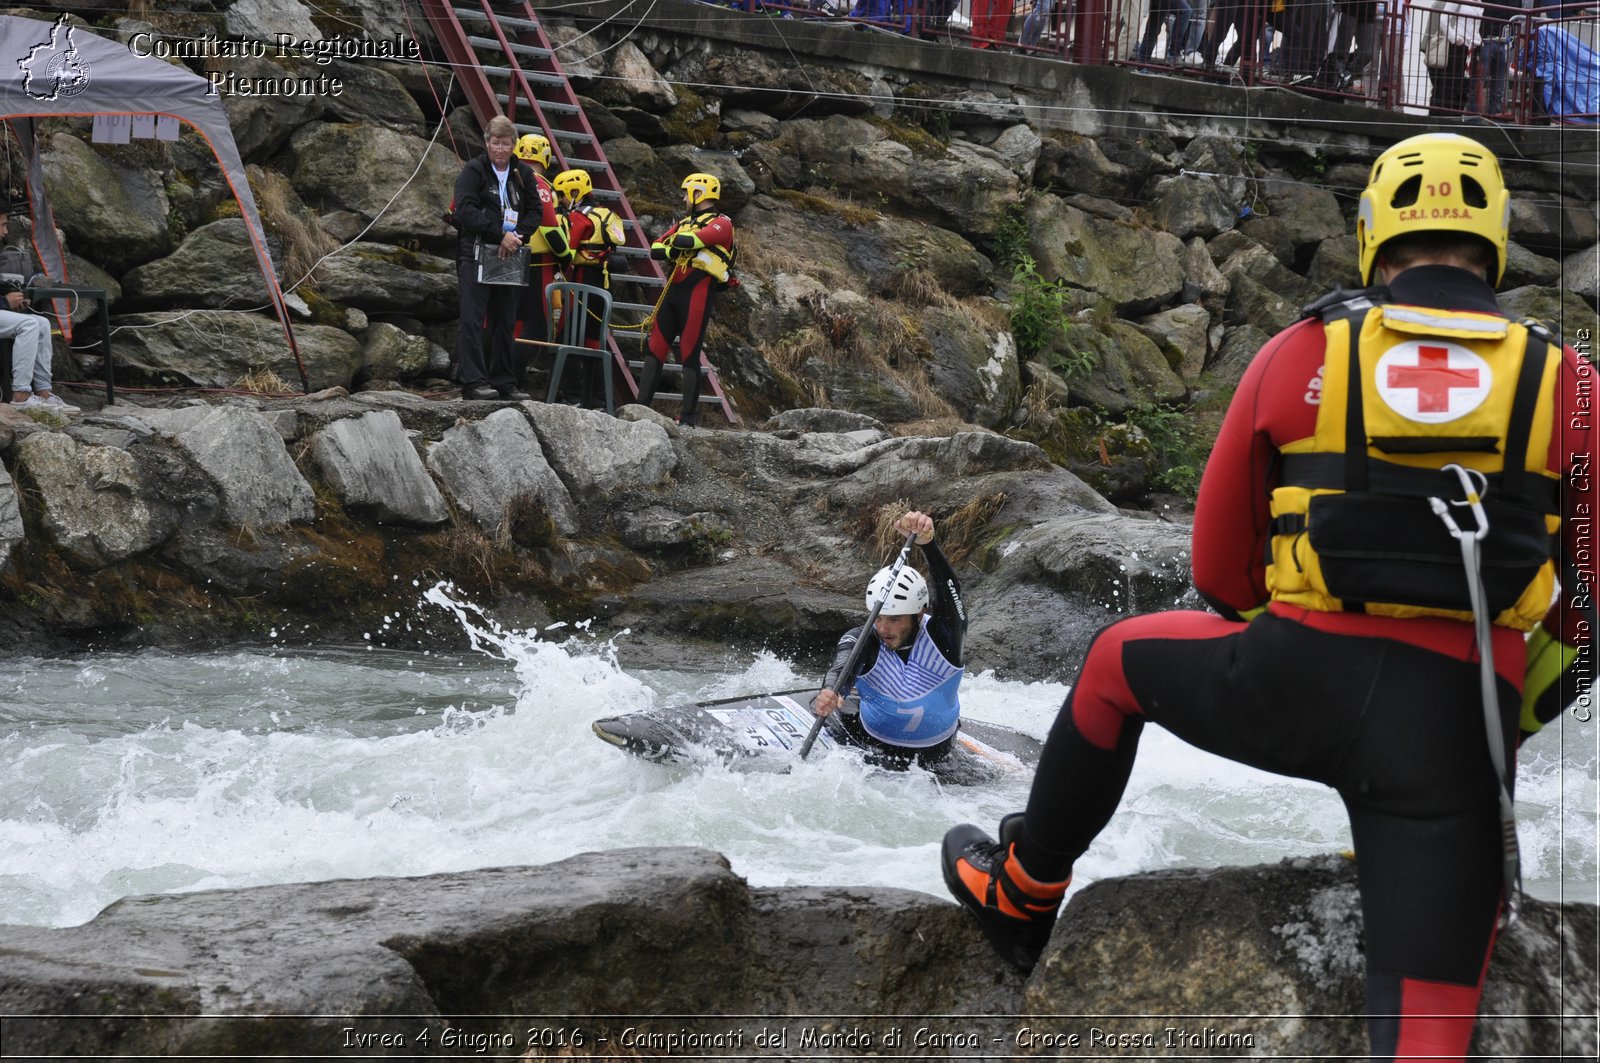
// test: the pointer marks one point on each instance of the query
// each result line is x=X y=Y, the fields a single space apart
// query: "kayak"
x=764 y=732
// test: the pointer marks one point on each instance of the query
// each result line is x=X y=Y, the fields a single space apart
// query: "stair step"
x=544 y=105
x=505 y=20
x=517 y=48
x=533 y=76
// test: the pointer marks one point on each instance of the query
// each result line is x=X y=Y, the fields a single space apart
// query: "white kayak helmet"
x=907 y=597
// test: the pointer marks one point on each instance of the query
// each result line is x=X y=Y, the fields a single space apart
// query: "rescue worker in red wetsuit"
x=546 y=244
x=699 y=248
x=1343 y=649
x=593 y=232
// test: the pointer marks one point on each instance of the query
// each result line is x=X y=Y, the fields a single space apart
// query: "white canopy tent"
x=58 y=70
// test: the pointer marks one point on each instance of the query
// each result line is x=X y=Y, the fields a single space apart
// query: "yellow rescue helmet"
x=572 y=185
x=532 y=147
x=699 y=187
x=1435 y=182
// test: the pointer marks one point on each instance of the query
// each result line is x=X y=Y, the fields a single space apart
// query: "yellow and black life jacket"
x=717 y=261
x=1353 y=526
x=606 y=232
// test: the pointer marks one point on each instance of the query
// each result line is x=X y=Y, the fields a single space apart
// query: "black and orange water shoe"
x=1015 y=911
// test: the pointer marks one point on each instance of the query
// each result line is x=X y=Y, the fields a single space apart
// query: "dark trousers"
x=1397 y=731
x=1450 y=82
x=684 y=315
x=483 y=335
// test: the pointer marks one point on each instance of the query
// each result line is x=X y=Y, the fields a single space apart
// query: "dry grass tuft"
x=881 y=536
x=304 y=241
x=920 y=288
x=263 y=382
x=959 y=533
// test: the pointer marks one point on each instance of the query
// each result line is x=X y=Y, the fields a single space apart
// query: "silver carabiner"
x=1473 y=485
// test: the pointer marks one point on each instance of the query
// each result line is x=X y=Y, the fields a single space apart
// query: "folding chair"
x=585 y=316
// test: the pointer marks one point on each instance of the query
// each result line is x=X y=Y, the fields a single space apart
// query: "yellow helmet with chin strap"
x=1436 y=182
x=699 y=187
x=532 y=147
x=572 y=185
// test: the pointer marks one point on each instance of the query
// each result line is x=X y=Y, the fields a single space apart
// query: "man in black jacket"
x=496 y=204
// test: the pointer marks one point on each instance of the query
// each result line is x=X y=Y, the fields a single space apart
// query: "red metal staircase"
x=505 y=64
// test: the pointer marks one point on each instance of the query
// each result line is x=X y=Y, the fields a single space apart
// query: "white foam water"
x=159 y=772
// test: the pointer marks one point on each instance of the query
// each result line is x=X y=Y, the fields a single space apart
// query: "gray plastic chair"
x=581 y=304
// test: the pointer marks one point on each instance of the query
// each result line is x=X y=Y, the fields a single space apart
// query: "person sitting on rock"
x=1384 y=620
x=908 y=673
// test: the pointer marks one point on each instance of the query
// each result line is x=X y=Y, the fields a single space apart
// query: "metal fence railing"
x=1503 y=62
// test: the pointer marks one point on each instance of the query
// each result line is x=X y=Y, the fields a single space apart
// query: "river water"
x=155 y=772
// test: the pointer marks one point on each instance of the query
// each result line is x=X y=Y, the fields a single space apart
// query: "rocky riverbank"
x=616 y=954
x=318 y=517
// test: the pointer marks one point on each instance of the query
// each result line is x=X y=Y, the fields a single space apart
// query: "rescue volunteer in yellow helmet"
x=547 y=242
x=593 y=232
x=1336 y=534
x=700 y=252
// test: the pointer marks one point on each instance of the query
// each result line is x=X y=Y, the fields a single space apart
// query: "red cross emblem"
x=1433 y=382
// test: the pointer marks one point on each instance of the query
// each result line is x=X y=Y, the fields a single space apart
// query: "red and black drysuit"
x=697 y=272
x=589 y=247
x=1384 y=709
x=484 y=357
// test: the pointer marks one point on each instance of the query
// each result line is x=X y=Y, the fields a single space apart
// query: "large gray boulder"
x=263 y=20
x=1580 y=273
x=1189 y=206
x=1308 y=214
x=92 y=500
x=972 y=368
x=1183 y=336
x=244 y=454
x=219 y=350
x=263 y=124
x=1262 y=291
x=488 y=466
x=371 y=94
x=1563 y=311
x=1288 y=939
x=384 y=278
x=91 y=197
x=214 y=267
x=390 y=353
x=374 y=467
x=1129 y=369
x=890 y=248
x=596 y=455
x=1138 y=270
x=965 y=186
x=360 y=167
x=1553 y=225
x=1073 y=565
x=1069 y=163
